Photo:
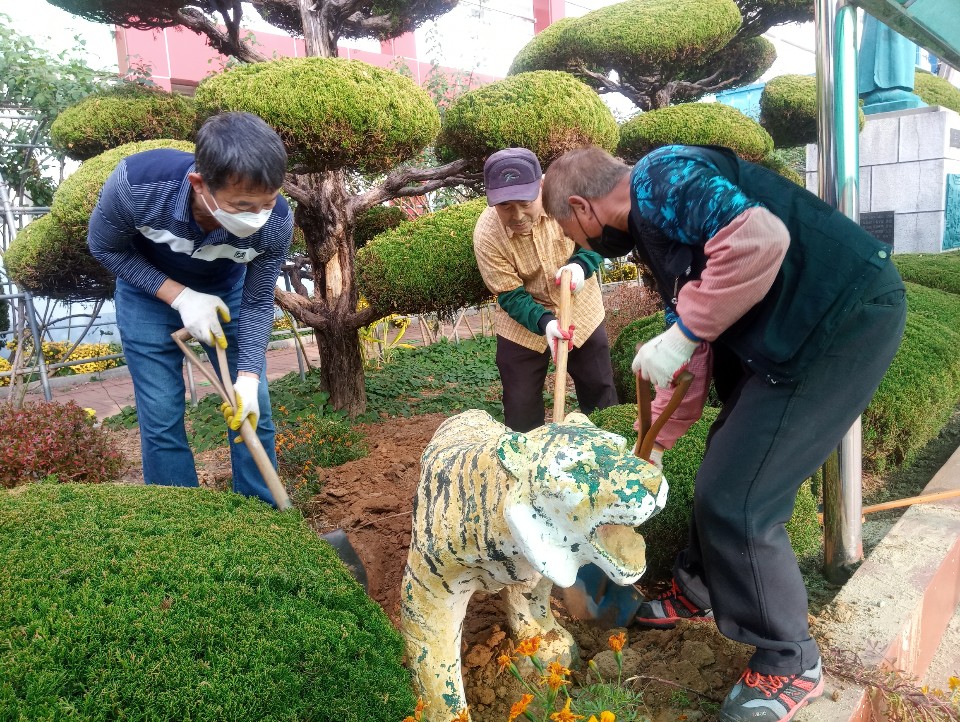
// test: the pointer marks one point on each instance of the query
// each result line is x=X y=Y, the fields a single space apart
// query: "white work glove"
x=663 y=357
x=656 y=458
x=577 y=277
x=246 y=391
x=555 y=334
x=199 y=312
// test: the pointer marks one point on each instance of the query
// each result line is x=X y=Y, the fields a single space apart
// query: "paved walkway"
x=109 y=392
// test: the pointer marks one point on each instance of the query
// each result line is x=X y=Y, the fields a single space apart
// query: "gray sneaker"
x=767 y=697
x=666 y=610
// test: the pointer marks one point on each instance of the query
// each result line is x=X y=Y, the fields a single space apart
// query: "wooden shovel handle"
x=560 y=381
x=647 y=433
x=247 y=430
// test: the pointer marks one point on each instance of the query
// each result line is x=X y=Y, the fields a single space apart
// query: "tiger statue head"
x=518 y=512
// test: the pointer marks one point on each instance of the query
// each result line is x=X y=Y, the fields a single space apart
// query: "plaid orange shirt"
x=508 y=261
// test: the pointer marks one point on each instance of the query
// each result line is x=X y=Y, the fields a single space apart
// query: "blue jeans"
x=156 y=366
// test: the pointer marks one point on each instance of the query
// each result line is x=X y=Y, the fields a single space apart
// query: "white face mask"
x=240 y=225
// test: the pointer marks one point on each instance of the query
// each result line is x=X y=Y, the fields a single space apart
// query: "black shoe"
x=666 y=610
x=770 y=698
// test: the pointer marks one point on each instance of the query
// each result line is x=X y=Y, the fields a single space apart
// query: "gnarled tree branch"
x=412 y=182
x=216 y=38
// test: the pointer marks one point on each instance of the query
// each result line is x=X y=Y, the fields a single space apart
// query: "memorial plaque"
x=954 y=138
x=879 y=224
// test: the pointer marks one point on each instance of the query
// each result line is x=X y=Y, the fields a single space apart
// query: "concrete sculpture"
x=497 y=510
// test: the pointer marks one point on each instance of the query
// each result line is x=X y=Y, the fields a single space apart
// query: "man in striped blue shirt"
x=197 y=241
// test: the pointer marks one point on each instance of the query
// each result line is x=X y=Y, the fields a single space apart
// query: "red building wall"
x=178 y=59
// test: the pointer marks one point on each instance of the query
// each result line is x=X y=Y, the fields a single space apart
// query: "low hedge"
x=935 y=270
x=666 y=533
x=162 y=603
x=624 y=348
x=936 y=91
x=788 y=110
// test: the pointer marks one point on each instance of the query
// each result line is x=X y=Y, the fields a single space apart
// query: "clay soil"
x=683 y=674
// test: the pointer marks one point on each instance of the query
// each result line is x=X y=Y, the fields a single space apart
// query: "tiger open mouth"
x=624 y=547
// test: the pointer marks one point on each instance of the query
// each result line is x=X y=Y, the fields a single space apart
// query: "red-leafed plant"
x=47 y=439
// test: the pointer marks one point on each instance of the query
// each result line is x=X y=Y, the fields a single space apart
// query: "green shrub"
x=935 y=270
x=425 y=265
x=548 y=112
x=666 y=533
x=936 y=91
x=694 y=124
x=77 y=195
x=779 y=163
x=48 y=260
x=162 y=603
x=921 y=388
x=126 y=113
x=40 y=439
x=332 y=113
x=788 y=110
x=376 y=220
x=625 y=348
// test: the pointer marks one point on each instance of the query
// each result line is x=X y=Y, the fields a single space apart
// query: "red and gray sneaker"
x=666 y=610
x=766 y=697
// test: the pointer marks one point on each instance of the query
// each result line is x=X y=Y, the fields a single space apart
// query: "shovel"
x=563 y=350
x=647 y=433
x=247 y=430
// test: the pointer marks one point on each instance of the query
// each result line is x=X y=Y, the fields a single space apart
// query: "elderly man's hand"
x=555 y=334
x=577 y=277
x=663 y=357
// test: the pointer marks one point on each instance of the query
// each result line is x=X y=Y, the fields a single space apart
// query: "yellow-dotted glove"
x=246 y=391
x=199 y=312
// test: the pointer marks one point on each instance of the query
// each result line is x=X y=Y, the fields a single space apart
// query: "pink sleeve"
x=743 y=259
x=691 y=408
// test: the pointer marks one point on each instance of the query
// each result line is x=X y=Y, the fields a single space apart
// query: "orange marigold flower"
x=565 y=715
x=617 y=641
x=529 y=647
x=557 y=668
x=606 y=716
x=408 y=718
x=462 y=716
x=503 y=662
x=954 y=683
x=554 y=681
x=418 y=710
x=520 y=707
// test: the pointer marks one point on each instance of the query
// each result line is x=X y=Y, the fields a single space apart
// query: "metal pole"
x=296 y=332
x=839 y=179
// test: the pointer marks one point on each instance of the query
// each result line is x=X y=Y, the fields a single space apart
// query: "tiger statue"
x=497 y=510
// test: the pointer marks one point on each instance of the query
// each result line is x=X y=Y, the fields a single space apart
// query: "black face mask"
x=612 y=243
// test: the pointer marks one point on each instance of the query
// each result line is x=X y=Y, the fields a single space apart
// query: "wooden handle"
x=909 y=501
x=646 y=441
x=247 y=430
x=560 y=385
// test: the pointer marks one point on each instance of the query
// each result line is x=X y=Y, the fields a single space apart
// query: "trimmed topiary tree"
x=48 y=260
x=376 y=220
x=934 y=270
x=426 y=264
x=547 y=112
x=694 y=124
x=330 y=112
x=133 y=602
x=660 y=52
x=936 y=91
x=126 y=113
x=788 y=110
x=50 y=256
x=666 y=533
x=624 y=348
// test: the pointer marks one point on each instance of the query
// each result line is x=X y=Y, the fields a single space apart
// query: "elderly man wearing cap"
x=521 y=252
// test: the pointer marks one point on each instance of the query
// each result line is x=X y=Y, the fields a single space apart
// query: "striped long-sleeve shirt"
x=143 y=230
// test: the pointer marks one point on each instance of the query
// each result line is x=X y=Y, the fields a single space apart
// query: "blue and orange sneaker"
x=771 y=698
x=666 y=610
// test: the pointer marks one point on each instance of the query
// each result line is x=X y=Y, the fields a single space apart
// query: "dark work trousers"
x=523 y=371
x=766 y=441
